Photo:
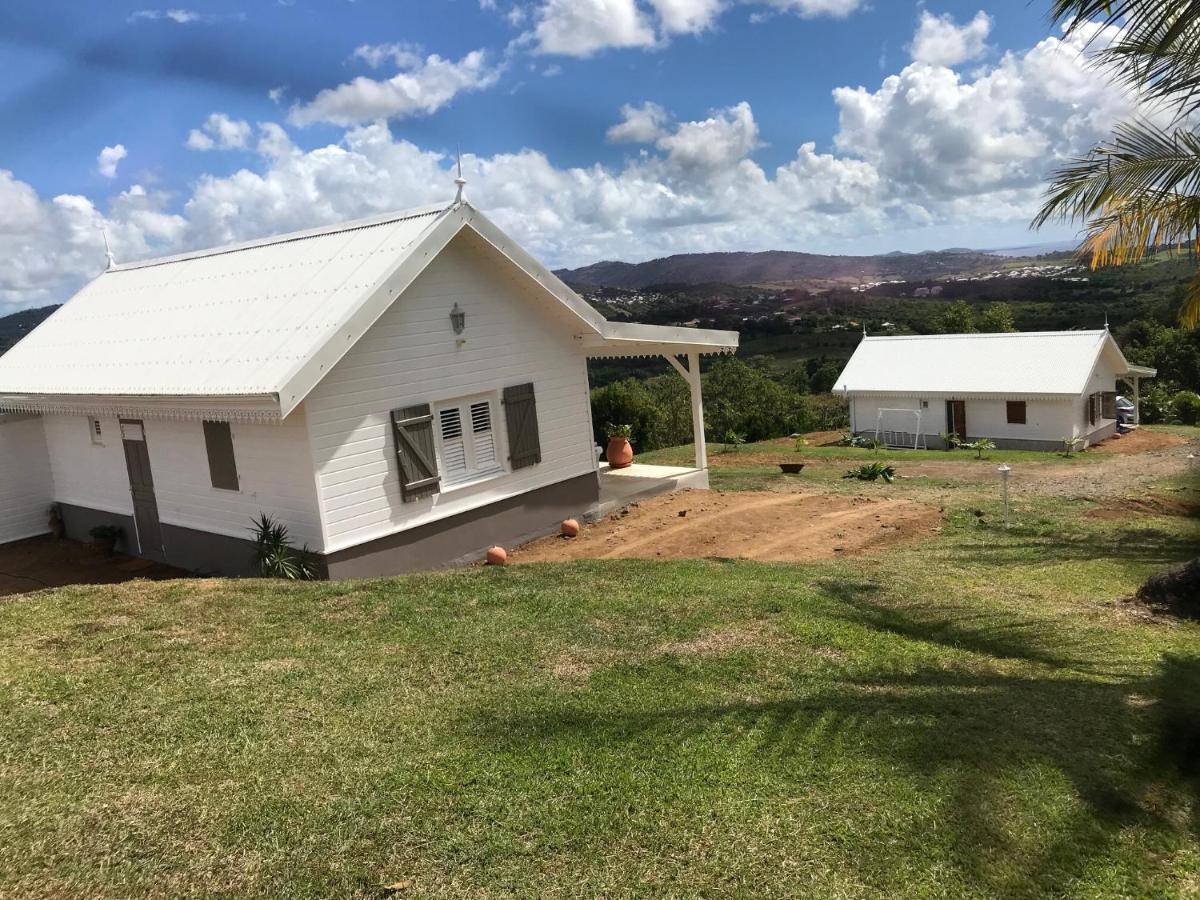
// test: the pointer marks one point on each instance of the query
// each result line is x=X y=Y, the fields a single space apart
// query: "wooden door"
x=956 y=417
x=141 y=487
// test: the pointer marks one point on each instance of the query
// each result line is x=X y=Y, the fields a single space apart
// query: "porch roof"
x=617 y=339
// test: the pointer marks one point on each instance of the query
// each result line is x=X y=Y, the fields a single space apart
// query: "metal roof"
x=1046 y=362
x=249 y=329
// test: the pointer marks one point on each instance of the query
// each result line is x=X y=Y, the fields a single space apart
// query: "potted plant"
x=55 y=522
x=105 y=537
x=620 y=449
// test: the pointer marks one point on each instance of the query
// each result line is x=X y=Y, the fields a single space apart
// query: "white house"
x=401 y=392
x=1021 y=390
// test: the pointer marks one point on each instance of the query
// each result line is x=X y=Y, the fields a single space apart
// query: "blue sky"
x=591 y=128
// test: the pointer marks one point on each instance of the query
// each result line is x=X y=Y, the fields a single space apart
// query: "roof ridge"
x=987 y=334
x=286 y=237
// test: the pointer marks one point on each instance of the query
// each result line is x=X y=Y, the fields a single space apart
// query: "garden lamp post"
x=1004 y=469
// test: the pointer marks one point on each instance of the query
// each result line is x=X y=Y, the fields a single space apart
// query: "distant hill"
x=16 y=326
x=777 y=266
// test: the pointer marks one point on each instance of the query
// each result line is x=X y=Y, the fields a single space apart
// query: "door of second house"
x=956 y=418
x=148 y=539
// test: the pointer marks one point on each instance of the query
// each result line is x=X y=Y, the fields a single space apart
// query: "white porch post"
x=1137 y=402
x=691 y=375
x=697 y=411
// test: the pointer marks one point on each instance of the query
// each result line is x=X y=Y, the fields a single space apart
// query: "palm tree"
x=1139 y=190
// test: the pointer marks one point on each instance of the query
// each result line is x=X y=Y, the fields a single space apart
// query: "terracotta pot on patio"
x=619 y=453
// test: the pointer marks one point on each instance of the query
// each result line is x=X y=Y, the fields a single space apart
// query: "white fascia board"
x=1141 y=371
x=217 y=407
x=490 y=232
x=376 y=301
x=635 y=339
x=952 y=395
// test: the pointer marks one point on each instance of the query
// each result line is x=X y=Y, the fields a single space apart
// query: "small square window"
x=924 y=404
x=97 y=432
x=1016 y=412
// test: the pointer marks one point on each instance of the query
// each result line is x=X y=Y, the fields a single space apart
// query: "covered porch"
x=682 y=349
x=1133 y=378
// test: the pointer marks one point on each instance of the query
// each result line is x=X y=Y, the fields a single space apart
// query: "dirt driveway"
x=760 y=525
x=42 y=562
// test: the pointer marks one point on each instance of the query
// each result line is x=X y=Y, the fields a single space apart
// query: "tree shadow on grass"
x=1128 y=744
x=1026 y=544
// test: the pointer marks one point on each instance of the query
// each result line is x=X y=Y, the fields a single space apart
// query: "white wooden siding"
x=514 y=334
x=88 y=474
x=273 y=462
x=274 y=471
x=1045 y=419
x=26 y=487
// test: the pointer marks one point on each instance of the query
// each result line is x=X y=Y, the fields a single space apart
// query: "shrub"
x=950 y=439
x=1186 y=407
x=1069 y=445
x=274 y=555
x=981 y=446
x=1154 y=405
x=873 y=472
x=619 y=431
x=732 y=441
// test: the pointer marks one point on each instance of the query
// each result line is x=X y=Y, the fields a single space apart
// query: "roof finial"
x=460 y=181
x=1106 y=320
x=108 y=254
x=864 y=327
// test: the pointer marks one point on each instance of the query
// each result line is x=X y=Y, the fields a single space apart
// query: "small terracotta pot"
x=570 y=528
x=497 y=556
x=619 y=453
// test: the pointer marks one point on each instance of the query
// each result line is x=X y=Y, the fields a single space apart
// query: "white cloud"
x=402 y=56
x=585 y=27
x=639 y=124
x=687 y=16
x=183 y=16
x=715 y=143
x=808 y=9
x=109 y=158
x=276 y=94
x=940 y=41
x=422 y=88
x=219 y=132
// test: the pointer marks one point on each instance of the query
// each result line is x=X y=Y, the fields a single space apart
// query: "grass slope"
x=977 y=715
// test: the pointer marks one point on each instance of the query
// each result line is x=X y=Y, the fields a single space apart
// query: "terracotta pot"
x=497 y=556
x=570 y=528
x=619 y=453
x=57 y=528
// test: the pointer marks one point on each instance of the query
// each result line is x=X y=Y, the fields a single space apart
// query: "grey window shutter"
x=222 y=467
x=1108 y=405
x=412 y=427
x=520 y=415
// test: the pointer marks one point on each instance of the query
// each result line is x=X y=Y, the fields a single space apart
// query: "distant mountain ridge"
x=774 y=266
x=16 y=326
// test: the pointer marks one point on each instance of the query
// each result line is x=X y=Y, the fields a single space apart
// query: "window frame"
x=96 y=431
x=1008 y=412
x=208 y=455
x=474 y=473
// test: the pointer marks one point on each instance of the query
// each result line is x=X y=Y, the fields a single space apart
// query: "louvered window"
x=467 y=440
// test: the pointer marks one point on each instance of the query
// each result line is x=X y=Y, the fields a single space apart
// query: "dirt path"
x=746 y=525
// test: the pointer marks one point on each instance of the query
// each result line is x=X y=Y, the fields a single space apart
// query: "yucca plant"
x=872 y=472
x=274 y=554
x=1139 y=190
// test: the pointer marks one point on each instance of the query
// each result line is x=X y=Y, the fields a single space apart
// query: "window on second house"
x=222 y=467
x=467 y=440
x=97 y=431
x=1016 y=412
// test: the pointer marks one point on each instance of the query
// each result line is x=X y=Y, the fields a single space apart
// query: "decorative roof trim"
x=263 y=409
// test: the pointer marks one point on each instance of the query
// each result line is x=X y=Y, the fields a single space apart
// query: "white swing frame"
x=888 y=435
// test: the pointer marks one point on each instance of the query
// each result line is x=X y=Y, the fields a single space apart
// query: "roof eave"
x=213 y=407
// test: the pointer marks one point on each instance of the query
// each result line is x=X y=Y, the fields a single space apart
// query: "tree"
x=1139 y=190
x=996 y=318
x=957 y=318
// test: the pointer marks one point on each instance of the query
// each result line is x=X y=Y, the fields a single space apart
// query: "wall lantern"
x=458 y=319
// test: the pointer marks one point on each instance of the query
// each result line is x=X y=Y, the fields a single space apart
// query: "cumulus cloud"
x=219 y=132
x=109 y=158
x=420 y=88
x=403 y=56
x=940 y=41
x=837 y=9
x=687 y=16
x=584 y=27
x=639 y=124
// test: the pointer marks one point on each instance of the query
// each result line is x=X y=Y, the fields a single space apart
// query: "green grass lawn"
x=977 y=715
x=685 y=455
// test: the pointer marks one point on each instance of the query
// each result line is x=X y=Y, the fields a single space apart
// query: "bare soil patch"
x=1139 y=441
x=1143 y=506
x=759 y=525
x=43 y=562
